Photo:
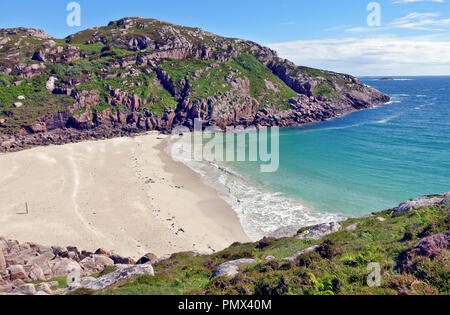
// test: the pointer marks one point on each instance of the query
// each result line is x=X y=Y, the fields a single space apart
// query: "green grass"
x=38 y=103
x=62 y=282
x=340 y=267
x=326 y=91
x=213 y=80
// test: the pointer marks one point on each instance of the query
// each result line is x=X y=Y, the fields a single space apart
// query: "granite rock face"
x=286 y=231
x=136 y=75
x=21 y=263
x=120 y=275
x=231 y=268
x=319 y=231
x=424 y=201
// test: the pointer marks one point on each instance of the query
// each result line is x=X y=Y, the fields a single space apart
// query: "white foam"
x=388 y=119
x=260 y=211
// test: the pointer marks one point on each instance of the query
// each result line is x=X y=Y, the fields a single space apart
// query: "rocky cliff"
x=142 y=74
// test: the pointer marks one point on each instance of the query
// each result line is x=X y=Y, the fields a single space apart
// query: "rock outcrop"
x=119 y=275
x=231 y=268
x=137 y=75
x=319 y=231
x=27 y=262
x=424 y=201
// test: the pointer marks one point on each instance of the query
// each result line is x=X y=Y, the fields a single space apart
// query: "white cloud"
x=411 y=1
x=375 y=55
x=421 y=21
x=424 y=21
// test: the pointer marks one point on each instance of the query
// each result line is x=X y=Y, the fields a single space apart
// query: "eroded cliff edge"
x=138 y=74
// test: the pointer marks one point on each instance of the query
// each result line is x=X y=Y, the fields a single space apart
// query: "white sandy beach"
x=124 y=195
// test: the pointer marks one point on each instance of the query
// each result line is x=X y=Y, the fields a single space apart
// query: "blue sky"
x=413 y=38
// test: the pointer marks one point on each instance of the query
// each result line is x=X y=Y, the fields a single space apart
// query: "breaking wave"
x=260 y=211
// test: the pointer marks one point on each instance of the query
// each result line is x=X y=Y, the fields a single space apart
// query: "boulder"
x=42 y=258
x=44 y=287
x=21 y=97
x=302 y=252
x=149 y=258
x=17 y=104
x=424 y=201
x=446 y=199
x=286 y=231
x=351 y=228
x=96 y=263
x=64 y=267
x=36 y=273
x=50 y=85
x=17 y=283
x=231 y=268
x=72 y=249
x=119 y=260
x=101 y=251
x=16 y=272
x=319 y=231
x=2 y=261
x=86 y=280
x=26 y=289
x=119 y=275
x=6 y=287
x=39 y=56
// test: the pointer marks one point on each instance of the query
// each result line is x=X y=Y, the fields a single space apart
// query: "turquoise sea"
x=350 y=166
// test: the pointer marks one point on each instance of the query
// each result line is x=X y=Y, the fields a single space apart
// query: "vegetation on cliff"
x=411 y=248
x=144 y=74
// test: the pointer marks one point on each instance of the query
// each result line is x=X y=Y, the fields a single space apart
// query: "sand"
x=124 y=195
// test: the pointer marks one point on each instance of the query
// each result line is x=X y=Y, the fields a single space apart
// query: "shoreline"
x=124 y=194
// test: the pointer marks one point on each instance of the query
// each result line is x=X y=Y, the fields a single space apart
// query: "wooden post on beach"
x=26 y=206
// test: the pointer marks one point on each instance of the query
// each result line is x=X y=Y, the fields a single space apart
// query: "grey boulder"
x=424 y=201
x=119 y=275
x=231 y=268
x=285 y=231
x=319 y=231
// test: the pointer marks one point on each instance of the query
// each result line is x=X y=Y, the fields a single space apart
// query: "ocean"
x=366 y=161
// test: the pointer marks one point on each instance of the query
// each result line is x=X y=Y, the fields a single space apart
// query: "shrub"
x=329 y=249
x=264 y=243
